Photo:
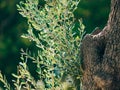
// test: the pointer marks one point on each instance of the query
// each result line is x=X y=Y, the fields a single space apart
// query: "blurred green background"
x=12 y=25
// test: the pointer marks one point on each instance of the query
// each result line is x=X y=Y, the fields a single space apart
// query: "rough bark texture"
x=101 y=54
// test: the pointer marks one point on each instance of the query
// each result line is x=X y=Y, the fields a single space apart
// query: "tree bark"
x=101 y=55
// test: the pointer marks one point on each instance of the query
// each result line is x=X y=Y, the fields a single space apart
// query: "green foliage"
x=57 y=37
x=12 y=25
x=3 y=80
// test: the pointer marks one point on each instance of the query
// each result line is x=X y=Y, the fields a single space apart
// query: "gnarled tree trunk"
x=101 y=54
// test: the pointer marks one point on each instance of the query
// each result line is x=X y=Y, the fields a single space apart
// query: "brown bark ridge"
x=101 y=55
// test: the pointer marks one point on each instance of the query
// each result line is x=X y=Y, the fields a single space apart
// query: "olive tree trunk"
x=101 y=55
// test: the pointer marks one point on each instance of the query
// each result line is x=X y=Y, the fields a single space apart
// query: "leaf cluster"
x=52 y=28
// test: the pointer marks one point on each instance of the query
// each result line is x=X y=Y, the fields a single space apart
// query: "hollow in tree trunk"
x=101 y=54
